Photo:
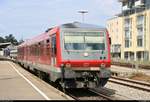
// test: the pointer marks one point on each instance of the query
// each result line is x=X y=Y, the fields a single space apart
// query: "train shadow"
x=81 y=92
x=105 y=91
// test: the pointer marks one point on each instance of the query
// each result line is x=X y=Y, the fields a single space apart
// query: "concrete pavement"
x=18 y=84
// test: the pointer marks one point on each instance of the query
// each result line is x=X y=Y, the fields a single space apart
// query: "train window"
x=94 y=42
x=37 y=50
x=53 y=43
x=47 y=51
x=84 y=41
x=48 y=47
x=33 y=50
x=30 y=50
x=74 y=42
x=110 y=40
x=42 y=48
x=47 y=41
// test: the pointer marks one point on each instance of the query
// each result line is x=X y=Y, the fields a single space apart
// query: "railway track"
x=130 y=65
x=101 y=95
x=131 y=83
x=87 y=94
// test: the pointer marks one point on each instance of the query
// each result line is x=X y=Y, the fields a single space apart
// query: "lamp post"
x=82 y=12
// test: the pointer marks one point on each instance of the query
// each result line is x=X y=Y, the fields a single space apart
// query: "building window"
x=127 y=22
x=126 y=55
x=127 y=43
x=140 y=30
x=140 y=20
x=127 y=34
x=127 y=27
x=139 y=42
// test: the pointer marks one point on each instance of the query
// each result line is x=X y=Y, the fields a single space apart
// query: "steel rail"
x=129 y=65
x=100 y=94
x=132 y=81
x=126 y=84
x=74 y=97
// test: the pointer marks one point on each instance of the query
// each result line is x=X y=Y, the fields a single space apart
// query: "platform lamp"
x=82 y=12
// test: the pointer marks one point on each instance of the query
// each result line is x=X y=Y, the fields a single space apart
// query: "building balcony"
x=139 y=3
x=140 y=25
x=125 y=8
x=140 y=36
x=127 y=28
x=127 y=37
x=116 y=48
x=127 y=25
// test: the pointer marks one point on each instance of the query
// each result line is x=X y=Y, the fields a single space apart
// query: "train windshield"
x=84 y=41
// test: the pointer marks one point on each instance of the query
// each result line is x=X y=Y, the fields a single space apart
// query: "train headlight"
x=102 y=65
x=68 y=65
x=86 y=54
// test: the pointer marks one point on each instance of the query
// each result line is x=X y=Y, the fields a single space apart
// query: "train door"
x=53 y=50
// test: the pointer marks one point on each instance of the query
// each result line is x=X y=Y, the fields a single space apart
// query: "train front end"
x=85 y=56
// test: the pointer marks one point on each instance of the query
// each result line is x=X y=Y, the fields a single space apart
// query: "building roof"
x=4 y=45
x=35 y=39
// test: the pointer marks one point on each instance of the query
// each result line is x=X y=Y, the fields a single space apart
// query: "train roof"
x=37 y=38
x=81 y=25
x=78 y=25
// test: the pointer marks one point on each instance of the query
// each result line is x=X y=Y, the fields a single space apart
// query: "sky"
x=28 y=18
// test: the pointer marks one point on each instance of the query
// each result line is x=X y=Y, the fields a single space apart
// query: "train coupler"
x=105 y=73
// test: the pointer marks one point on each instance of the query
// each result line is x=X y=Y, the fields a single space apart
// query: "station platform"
x=126 y=72
x=2 y=57
x=18 y=84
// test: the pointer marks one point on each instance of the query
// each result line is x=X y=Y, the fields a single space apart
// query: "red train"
x=74 y=55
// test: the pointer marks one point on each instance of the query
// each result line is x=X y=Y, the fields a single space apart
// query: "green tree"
x=2 y=40
x=11 y=38
x=20 y=41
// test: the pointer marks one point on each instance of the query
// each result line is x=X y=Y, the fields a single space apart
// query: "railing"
x=139 y=3
x=125 y=8
x=116 y=50
x=131 y=63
